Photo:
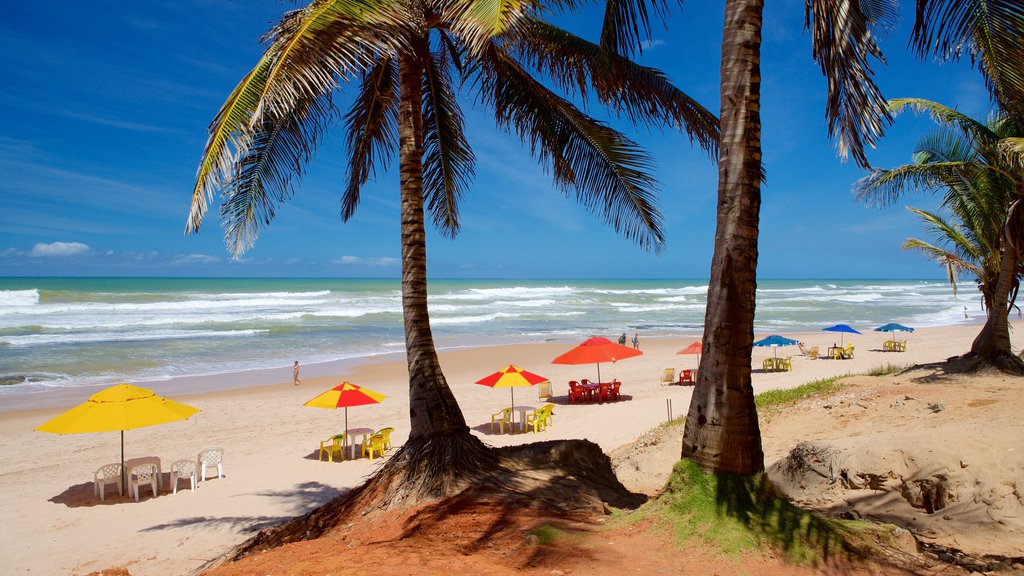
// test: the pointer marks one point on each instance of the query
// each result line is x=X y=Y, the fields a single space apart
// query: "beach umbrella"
x=512 y=377
x=695 y=348
x=118 y=408
x=775 y=341
x=842 y=329
x=894 y=327
x=594 y=351
x=345 y=395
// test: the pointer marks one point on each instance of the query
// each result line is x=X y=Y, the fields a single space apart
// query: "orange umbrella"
x=512 y=377
x=594 y=351
x=695 y=348
x=344 y=395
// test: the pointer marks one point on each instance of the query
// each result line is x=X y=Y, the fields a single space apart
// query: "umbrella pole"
x=124 y=473
x=598 y=372
x=352 y=450
x=513 y=417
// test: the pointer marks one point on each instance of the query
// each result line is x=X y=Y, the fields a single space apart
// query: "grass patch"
x=738 y=514
x=886 y=370
x=545 y=533
x=822 y=387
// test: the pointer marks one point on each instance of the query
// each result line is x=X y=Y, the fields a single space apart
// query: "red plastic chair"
x=603 y=391
x=576 y=394
x=614 y=392
x=587 y=389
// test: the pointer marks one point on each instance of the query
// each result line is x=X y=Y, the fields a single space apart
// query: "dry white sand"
x=54 y=525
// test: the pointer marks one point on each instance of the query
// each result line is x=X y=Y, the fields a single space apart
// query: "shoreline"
x=200 y=384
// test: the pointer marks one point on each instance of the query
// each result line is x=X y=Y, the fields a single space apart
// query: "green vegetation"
x=742 y=513
x=886 y=370
x=822 y=387
x=545 y=533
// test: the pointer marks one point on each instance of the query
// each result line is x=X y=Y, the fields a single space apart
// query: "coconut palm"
x=407 y=60
x=981 y=187
x=722 y=433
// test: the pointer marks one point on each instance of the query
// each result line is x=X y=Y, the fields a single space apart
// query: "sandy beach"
x=56 y=526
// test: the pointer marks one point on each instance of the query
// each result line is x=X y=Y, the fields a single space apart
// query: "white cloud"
x=360 y=261
x=58 y=249
x=196 y=259
x=11 y=253
x=648 y=44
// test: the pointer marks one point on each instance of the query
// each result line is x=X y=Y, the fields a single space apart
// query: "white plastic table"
x=522 y=414
x=363 y=432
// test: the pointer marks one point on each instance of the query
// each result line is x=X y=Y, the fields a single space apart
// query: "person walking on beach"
x=295 y=374
x=636 y=341
x=622 y=339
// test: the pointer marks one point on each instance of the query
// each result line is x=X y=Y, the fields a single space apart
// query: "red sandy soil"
x=485 y=537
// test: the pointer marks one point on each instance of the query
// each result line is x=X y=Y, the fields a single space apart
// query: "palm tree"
x=981 y=187
x=722 y=433
x=408 y=57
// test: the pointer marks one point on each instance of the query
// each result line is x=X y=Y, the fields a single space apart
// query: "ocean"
x=64 y=332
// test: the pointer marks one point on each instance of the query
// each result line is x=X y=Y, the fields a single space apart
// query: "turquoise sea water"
x=59 y=332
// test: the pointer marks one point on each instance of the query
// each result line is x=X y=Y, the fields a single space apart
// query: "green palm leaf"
x=842 y=40
x=644 y=94
x=989 y=31
x=447 y=158
x=372 y=127
x=607 y=170
x=627 y=23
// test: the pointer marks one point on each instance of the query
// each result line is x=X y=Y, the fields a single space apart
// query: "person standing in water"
x=295 y=374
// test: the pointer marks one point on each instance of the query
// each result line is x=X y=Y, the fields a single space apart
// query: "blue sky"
x=105 y=107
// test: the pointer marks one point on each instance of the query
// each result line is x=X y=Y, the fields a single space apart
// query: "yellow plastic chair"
x=901 y=346
x=848 y=352
x=536 y=420
x=668 y=376
x=333 y=445
x=768 y=365
x=374 y=444
x=786 y=363
x=502 y=418
x=386 y=433
x=549 y=412
x=812 y=354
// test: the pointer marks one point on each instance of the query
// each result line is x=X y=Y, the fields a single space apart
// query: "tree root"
x=558 y=476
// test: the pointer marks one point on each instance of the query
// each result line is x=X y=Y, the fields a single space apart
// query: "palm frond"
x=265 y=173
x=842 y=40
x=609 y=173
x=950 y=234
x=476 y=22
x=229 y=135
x=1012 y=150
x=372 y=127
x=969 y=127
x=627 y=23
x=448 y=160
x=645 y=95
x=885 y=187
x=989 y=31
x=306 y=51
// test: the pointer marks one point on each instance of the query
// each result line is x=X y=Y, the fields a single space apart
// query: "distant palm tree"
x=981 y=187
x=722 y=432
x=409 y=57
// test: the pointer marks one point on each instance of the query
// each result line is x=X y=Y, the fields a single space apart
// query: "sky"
x=105 y=107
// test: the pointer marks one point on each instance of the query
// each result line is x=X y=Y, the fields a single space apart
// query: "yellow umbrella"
x=121 y=407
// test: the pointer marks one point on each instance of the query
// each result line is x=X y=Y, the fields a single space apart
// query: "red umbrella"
x=695 y=348
x=511 y=377
x=344 y=395
x=594 y=351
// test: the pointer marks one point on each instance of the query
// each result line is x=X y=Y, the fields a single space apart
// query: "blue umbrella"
x=841 y=328
x=775 y=341
x=894 y=327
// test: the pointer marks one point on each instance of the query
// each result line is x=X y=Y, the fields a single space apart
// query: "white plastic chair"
x=107 y=474
x=180 y=470
x=208 y=457
x=140 y=476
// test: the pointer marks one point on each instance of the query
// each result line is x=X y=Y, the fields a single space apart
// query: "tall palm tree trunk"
x=433 y=410
x=722 y=433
